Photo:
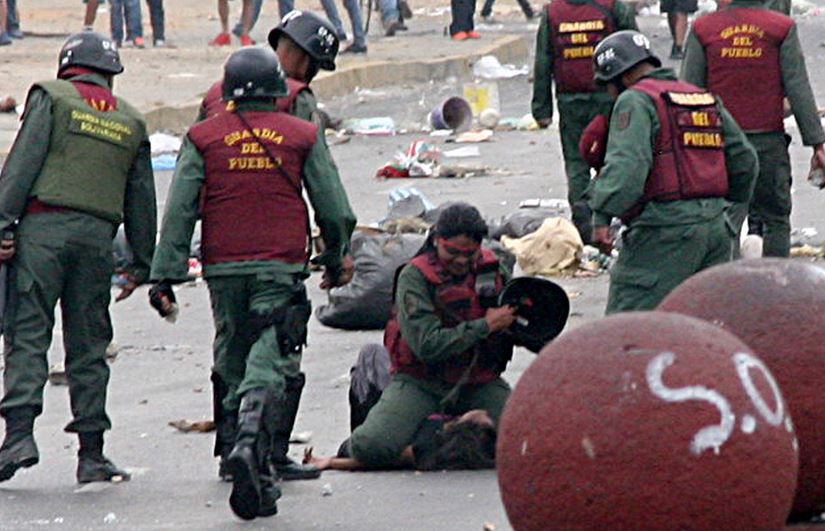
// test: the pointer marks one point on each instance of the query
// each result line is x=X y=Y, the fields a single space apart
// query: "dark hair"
x=461 y=446
x=461 y=219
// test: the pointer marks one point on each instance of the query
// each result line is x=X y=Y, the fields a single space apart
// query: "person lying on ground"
x=442 y=442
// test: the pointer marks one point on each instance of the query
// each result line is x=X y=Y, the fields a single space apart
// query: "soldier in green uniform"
x=304 y=43
x=445 y=343
x=675 y=157
x=243 y=173
x=749 y=45
x=568 y=32
x=79 y=166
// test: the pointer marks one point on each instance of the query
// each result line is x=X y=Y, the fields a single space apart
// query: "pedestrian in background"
x=248 y=192
x=128 y=10
x=749 y=45
x=80 y=166
x=678 y=12
x=224 y=38
x=5 y=39
x=569 y=31
x=157 y=17
x=675 y=159
x=462 y=26
x=13 y=20
x=487 y=10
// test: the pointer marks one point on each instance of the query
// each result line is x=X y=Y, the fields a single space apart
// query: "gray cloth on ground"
x=365 y=303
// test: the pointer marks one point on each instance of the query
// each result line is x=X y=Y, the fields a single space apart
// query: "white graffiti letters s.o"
x=744 y=363
x=709 y=437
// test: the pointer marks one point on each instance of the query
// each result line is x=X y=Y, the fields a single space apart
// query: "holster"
x=290 y=322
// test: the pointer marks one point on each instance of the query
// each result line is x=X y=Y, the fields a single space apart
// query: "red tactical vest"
x=252 y=207
x=575 y=30
x=742 y=48
x=213 y=99
x=689 y=155
x=455 y=302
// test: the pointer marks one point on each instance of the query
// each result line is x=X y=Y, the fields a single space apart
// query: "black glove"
x=162 y=299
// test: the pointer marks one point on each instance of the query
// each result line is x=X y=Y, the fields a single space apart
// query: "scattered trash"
x=407 y=203
x=463 y=152
x=808 y=251
x=300 y=437
x=453 y=113
x=378 y=126
x=164 y=143
x=112 y=350
x=441 y=132
x=164 y=162
x=110 y=518
x=527 y=123
x=802 y=235
x=488 y=527
x=556 y=246
x=365 y=303
x=751 y=246
x=473 y=137
x=57 y=374
x=460 y=171
x=554 y=203
x=197 y=426
x=326 y=490
x=8 y=104
x=489 y=118
x=525 y=221
x=489 y=67
x=420 y=160
x=482 y=96
x=593 y=260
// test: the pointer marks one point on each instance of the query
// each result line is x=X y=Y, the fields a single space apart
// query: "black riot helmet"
x=253 y=72
x=620 y=52
x=311 y=33
x=91 y=50
x=542 y=308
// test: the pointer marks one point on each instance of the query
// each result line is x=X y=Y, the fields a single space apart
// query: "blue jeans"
x=134 y=24
x=389 y=10
x=157 y=18
x=354 y=11
x=12 y=17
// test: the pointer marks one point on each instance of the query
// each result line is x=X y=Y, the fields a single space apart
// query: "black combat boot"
x=252 y=487
x=226 y=426
x=285 y=468
x=92 y=465
x=225 y=433
x=18 y=450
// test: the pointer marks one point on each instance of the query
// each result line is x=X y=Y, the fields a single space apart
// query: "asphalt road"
x=161 y=372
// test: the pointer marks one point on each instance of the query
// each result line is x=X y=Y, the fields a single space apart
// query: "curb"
x=508 y=49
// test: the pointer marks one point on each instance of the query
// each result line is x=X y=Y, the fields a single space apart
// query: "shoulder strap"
x=605 y=11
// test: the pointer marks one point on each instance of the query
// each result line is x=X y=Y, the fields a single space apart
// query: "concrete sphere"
x=777 y=307
x=646 y=420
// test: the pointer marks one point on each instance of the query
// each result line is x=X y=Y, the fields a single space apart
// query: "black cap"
x=620 y=52
x=253 y=72
x=91 y=50
x=312 y=33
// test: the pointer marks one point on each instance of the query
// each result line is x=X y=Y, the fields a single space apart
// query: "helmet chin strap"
x=312 y=71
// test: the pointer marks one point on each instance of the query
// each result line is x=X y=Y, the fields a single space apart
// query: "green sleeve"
x=798 y=90
x=23 y=165
x=695 y=64
x=620 y=184
x=172 y=253
x=304 y=107
x=421 y=327
x=625 y=16
x=333 y=214
x=741 y=159
x=542 y=104
x=140 y=217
